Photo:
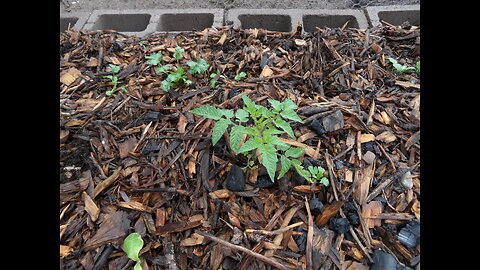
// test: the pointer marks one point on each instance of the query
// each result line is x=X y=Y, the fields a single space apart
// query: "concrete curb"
x=395 y=15
x=76 y=20
x=143 y=22
x=286 y=20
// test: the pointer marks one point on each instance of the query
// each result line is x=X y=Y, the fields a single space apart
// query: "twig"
x=282 y=230
x=259 y=256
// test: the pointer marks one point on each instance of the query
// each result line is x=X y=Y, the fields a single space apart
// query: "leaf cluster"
x=262 y=127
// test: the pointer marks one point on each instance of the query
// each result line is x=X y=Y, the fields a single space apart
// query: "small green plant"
x=132 y=246
x=213 y=81
x=175 y=78
x=312 y=173
x=262 y=127
x=240 y=76
x=398 y=68
x=417 y=67
x=200 y=66
x=115 y=69
x=154 y=59
x=178 y=54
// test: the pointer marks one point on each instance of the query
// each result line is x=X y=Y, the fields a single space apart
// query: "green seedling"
x=132 y=246
x=200 y=66
x=398 y=68
x=417 y=67
x=178 y=54
x=175 y=78
x=262 y=127
x=114 y=79
x=240 y=76
x=213 y=81
x=154 y=59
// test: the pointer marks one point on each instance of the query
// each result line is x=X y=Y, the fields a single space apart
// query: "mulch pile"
x=141 y=162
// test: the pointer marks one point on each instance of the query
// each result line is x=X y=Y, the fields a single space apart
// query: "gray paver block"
x=286 y=20
x=142 y=22
x=75 y=20
x=395 y=15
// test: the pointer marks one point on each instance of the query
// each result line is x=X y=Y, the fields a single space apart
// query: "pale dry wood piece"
x=278 y=238
x=107 y=182
x=282 y=230
x=113 y=229
x=259 y=256
x=329 y=211
x=381 y=186
x=134 y=205
x=392 y=216
x=372 y=209
x=308 y=248
x=90 y=206
x=362 y=183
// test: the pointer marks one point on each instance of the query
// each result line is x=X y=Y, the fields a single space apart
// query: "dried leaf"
x=372 y=209
x=266 y=72
x=70 y=76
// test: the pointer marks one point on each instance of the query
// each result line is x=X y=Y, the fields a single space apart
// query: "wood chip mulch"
x=141 y=162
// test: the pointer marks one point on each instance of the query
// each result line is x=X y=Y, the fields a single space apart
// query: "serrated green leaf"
x=300 y=170
x=114 y=68
x=294 y=152
x=277 y=105
x=154 y=58
x=166 y=85
x=250 y=144
x=283 y=148
x=132 y=246
x=282 y=124
x=285 y=166
x=227 y=113
x=288 y=104
x=264 y=112
x=200 y=66
x=249 y=105
x=242 y=115
x=162 y=69
x=291 y=115
x=252 y=131
x=274 y=140
x=269 y=159
x=178 y=53
x=324 y=181
x=236 y=134
x=219 y=128
x=272 y=131
x=313 y=171
x=208 y=111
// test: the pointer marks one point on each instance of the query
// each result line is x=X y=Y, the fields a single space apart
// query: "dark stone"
x=409 y=235
x=316 y=207
x=350 y=207
x=317 y=126
x=383 y=261
x=236 y=179
x=153 y=116
x=333 y=121
x=340 y=225
x=264 y=182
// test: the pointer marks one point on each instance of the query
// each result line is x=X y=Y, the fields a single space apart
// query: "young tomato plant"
x=175 y=78
x=200 y=66
x=115 y=69
x=154 y=59
x=398 y=68
x=262 y=127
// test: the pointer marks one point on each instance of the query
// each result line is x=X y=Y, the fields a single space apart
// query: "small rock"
x=383 y=261
x=406 y=180
x=409 y=235
x=264 y=182
x=317 y=126
x=349 y=207
x=333 y=121
x=353 y=218
x=369 y=157
x=236 y=179
x=340 y=225
x=316 y=207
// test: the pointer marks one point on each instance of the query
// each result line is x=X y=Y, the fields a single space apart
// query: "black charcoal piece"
x=236 y=179
x=340 y=225
x=383 y=261
x=353 y=218
x=264 y=182
x=409 y=235
x=316 y=207
x=317 y=126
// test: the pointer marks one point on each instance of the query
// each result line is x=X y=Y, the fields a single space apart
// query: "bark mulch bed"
x=139 y=161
